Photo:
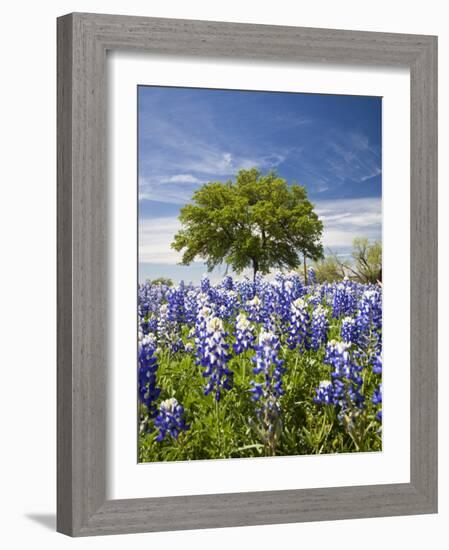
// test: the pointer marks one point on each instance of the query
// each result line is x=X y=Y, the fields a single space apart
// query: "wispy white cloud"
x=376 y=171
x=335 y=159
x=159 y=189
x=346 y=219
x=350 y=156
x=178 y=188
x=292 y=120
x=183 y=178
x=155 y=238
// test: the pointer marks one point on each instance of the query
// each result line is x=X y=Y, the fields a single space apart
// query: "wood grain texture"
x=64 y=277
x=83 y=40
x=423 y=274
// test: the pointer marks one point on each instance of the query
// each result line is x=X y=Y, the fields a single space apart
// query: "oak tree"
x=257 y=221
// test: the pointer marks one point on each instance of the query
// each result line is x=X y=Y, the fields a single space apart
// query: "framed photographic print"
x=246 y=274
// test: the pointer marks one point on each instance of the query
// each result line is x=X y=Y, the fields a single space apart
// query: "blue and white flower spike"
x=170 y=419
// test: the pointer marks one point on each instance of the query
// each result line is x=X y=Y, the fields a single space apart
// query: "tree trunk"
x=255 y=269
x=305 y=270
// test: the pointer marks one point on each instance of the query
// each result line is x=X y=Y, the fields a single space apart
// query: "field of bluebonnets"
x=263 y=368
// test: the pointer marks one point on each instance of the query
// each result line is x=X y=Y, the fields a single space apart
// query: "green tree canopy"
x=258 y=221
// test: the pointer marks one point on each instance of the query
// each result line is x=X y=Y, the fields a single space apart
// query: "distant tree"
x=162 y=281
x=258 y=221
x=367 y=260
x=365 y=267
x=329 y=269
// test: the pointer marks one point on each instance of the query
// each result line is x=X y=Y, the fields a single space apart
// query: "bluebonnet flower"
x=369 y=318
x=272 y=323
x=176 y=306
x=205 y=284
x=216 y=297
x=144 y=326
x=266 y=302
x=315 y=299
x=150 y=298
x=311 y=276
x=245 y=290
x=215 y=358
x=287 y=290
x=163 y=323
x=152 y=325
x=349 y=330
x=294 y=286
x=170 y=419
x=325 y=393
x=144 y=301
x=254 y=309
x=177 y=345
x=229 y=304
x=377 y=400
x=370 y=307
x=268 y=392
x=148 y=366
x=281 y=299
x=268 y=362
x=244 y=334
x=258 y=284
x=344 y=299
x=298 y=327
x=320 y=327
x=346 y=381
x=200 y=332
x=204 y=300
x=228 y=283
x=377 y=364
x=338 y=356
x=168 y=331
x=191 y=306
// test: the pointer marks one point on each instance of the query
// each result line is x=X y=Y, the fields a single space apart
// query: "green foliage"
x=162 y=281
x=257 y=221
x=328 y=270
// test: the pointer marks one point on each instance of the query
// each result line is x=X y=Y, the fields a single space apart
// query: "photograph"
x=259 y=299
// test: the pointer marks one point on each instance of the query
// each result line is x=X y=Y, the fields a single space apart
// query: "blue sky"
x=331 y=144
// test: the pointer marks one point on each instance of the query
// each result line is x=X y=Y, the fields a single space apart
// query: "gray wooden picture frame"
x=83 y=40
